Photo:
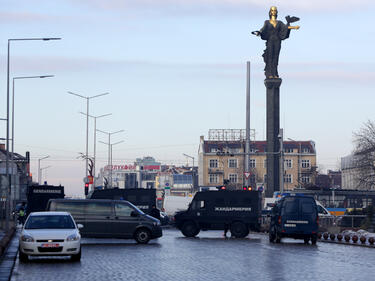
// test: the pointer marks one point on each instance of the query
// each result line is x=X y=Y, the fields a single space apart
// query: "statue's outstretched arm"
x=293 y=27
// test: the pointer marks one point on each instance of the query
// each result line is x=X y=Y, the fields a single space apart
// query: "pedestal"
x=273 y=126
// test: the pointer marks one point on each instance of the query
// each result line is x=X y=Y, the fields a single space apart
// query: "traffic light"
x=86 y=188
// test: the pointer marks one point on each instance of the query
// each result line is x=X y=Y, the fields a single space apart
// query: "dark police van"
x=237 y=210
x=142 y=198
x=39 y=195
x=109 y=218
x=295 y=217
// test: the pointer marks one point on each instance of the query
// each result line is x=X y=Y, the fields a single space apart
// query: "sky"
x=175 y=69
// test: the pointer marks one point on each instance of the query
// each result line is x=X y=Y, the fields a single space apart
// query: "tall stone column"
x=273 y=126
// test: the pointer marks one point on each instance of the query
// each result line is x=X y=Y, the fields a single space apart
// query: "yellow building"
x=221 y=162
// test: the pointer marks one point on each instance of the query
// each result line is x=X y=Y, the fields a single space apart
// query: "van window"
x=307 y=207
x=123 y=210
x=99 y=208
x=74 y=208
x=291 y=206
x=198 y=205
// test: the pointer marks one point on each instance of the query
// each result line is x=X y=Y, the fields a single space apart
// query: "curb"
x=5 y=240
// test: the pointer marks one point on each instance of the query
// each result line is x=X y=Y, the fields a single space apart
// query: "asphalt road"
x=208 y=257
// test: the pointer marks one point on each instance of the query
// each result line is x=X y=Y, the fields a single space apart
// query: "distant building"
x=140 y=174
x=349 y=173
x=20 y=175
x=221 y=161
x=328 y=181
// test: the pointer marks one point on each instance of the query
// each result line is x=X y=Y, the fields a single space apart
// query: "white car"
x=50 y=234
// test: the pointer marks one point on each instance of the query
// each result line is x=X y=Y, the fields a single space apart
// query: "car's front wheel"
x=77 y=257
x=142 y=236
x=23 y=257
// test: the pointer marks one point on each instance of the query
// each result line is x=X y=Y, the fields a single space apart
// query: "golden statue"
x=274 y=31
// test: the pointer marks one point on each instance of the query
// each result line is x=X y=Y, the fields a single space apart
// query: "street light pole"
x=87 y=124
x=111 y=157
x=109 y=150
x=95 y=117
x=44 y=168
x=39 y=170
x=193 y=172
x=8 y=191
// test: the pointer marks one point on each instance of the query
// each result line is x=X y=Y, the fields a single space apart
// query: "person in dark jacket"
x=155 y=212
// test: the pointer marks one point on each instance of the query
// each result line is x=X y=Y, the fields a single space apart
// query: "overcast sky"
x=175 y=69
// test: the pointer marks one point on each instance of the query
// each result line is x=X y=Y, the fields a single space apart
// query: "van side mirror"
x=134 y=214
x=80 y=226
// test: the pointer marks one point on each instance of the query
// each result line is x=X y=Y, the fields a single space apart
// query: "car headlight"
x=157 y=223
x=73 y=237
x=27 y=238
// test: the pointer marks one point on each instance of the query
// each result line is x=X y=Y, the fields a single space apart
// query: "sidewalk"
x=9 y=254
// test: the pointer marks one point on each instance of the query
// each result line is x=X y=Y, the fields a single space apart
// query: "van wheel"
x=76 y=257
x=313 y=239
x=23 y=257
x=189 y=229
x=239 y=230
x=142 y=236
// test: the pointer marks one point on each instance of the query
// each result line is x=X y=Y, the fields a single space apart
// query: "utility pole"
x=247 y=146
x=281 y=138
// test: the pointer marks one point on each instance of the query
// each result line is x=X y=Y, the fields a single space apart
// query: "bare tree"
x=364 y=156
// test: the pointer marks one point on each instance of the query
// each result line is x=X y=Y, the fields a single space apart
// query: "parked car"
x=296 y=217
x=109 y=218
x=50 y=233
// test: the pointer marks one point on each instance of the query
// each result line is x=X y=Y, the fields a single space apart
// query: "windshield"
x=50 y=222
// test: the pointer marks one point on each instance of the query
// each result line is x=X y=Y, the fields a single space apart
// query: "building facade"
x=221 y=162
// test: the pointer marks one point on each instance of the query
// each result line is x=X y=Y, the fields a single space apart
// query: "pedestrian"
x=22 y=214
x=155 y=212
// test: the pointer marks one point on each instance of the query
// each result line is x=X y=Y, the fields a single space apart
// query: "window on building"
x=305 y=163
x=214 y=178
x=233 y=178
x=265 y=178
x=213 y=163
x=252 y=163
x=288 y=163
x=288 y=178
x=288 y=150
x=214 y=149
x=253 y=150
x=232 y=163
x=305 y=179
x=305 y=150
x=265 y=163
